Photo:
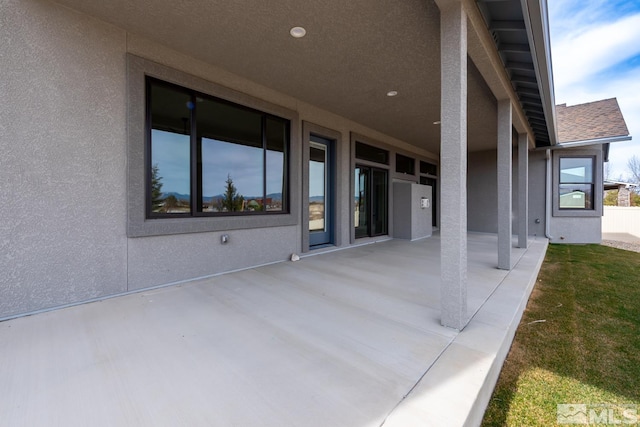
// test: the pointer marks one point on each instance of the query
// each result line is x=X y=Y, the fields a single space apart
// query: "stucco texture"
x=63 y=169
x=62 y=234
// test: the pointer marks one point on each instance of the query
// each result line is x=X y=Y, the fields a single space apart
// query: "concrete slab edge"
x=476 y=413
x=456 y=389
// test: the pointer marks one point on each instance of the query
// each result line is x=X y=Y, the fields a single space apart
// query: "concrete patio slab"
x=344 y=338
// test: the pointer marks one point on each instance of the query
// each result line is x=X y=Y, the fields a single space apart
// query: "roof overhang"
x=599 y=141
x=614 y=185
x=520 y=31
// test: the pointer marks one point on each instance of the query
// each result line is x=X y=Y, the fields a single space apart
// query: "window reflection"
x=231 y=177
x=239 y=155
x=277 y=133
x=576 y=183
x=170 y=151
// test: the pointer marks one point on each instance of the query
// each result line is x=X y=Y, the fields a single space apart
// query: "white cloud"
x=591 y=47
x=579 y=56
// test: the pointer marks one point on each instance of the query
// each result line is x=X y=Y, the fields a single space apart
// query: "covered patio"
x=345 y=338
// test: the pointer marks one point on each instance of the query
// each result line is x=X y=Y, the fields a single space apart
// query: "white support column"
x=504 y=184
x=523 y=190
x=453 y=164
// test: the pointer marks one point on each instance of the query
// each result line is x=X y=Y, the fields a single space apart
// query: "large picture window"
x=576 y=189
x=211 y=157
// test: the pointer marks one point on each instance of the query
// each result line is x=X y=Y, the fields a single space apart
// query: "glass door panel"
x=361 y=219
x=379 y=202
x=371 y=204
x=320 y=192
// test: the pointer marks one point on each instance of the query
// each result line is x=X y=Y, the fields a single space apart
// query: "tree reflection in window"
x=201 y=147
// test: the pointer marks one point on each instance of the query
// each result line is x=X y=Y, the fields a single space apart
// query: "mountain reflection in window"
x=231 y=160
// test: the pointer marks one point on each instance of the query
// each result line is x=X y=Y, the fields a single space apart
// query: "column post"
x=523 y=190
x=453 y=164
x=504 y=183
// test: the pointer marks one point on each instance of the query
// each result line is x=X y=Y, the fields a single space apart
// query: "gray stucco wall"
x=576 y=230
x=537 y=191
x=62 y=234
x=482 y=191
x=411 y=221
x=63 y=169
x=482 y=195
x=165 y=259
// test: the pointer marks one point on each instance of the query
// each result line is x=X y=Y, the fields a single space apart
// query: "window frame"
x=596 y=181
x=590 y=183
x=410 y=161
x=195 y=179
x=138 y=157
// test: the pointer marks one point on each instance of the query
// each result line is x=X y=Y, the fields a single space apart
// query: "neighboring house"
x=457 y=95
x=624 y=190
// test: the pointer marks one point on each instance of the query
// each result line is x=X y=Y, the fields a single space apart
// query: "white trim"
x=597 y=141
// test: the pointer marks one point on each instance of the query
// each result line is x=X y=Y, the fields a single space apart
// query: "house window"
x=371 y=153
x=406 y=165
x=428 y=168
x=576 y=188
x=211 y=157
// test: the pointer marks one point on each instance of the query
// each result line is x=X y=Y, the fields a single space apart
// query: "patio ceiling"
x=353 y=54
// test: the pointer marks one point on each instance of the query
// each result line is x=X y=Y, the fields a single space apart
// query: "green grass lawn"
x=578 y=341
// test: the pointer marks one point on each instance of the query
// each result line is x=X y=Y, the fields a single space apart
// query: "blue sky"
x=242 y=163
x=595 y=47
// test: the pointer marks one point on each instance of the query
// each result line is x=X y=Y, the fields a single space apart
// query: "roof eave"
x=597 y=141
x=537 y=24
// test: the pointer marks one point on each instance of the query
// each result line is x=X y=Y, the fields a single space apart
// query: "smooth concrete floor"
x=345 y=338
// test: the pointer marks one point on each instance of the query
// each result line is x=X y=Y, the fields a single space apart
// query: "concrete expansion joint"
x=408 y=393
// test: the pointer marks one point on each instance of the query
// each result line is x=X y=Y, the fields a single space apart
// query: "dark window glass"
x=232 y=157
x=170 y=150
x=372 y=154
x=277 y=143
x=240 y=155
x=428 y=168
x=371 y=203
x=576 y=183
x=405 y=164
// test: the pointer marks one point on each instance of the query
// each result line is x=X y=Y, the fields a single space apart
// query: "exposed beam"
x=518 y=78
x=528 y=91
x=534 y=113
x=514 y=47
x=531 y=101
x=525 y=66
x=536 y=117
x=507 y=26
x=484 y=53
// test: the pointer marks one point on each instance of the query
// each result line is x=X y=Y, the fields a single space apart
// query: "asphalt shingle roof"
x=593 y=120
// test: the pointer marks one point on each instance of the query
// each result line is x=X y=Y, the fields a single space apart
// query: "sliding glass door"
x=371 y=201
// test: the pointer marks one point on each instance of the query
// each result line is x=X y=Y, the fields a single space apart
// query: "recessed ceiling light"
x=437 y=122
x=297 y=32
x=392 y=93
